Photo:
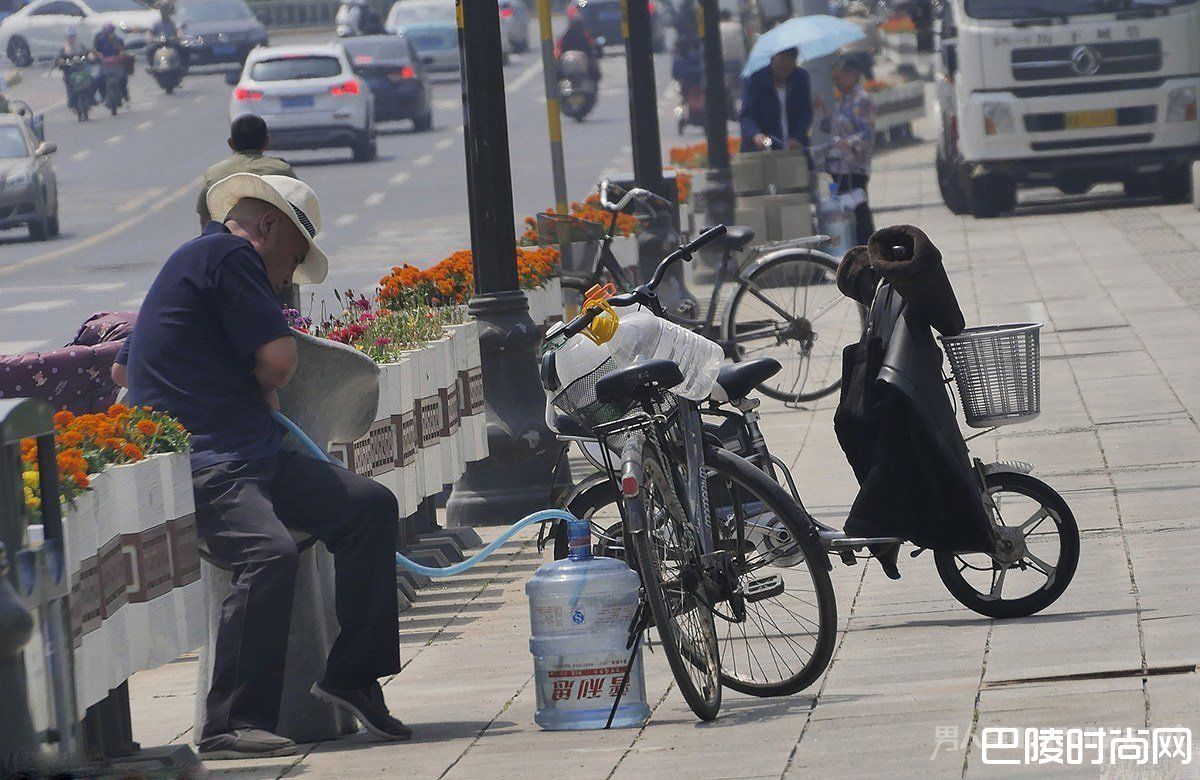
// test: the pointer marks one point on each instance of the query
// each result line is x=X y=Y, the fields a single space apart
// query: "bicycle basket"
x=561 y=229
x=578 y=399
x=998 y=372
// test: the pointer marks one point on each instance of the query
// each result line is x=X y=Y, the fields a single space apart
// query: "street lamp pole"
x=647 y=155
x=718 y=194
x=516 y=477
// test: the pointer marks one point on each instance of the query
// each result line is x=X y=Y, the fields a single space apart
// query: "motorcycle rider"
x=108 y=44
x=358 y=17
x=70 y=50
x=164 y=33
x=577 y=38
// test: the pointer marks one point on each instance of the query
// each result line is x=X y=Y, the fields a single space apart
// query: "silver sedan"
x=28 y=187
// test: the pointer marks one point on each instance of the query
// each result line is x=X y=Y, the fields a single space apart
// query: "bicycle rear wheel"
x=789 y=308
x=667 y=553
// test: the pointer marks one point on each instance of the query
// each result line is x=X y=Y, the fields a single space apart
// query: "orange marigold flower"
x=148 y=427
x=133 y=452
x=63 y=418
x=81 y=480
x=71 y=439
x=117 y=410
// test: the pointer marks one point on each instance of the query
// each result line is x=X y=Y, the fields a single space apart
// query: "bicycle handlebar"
x=645 y=294
x=637 y=193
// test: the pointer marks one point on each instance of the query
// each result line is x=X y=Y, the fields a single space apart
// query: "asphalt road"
x=128 y=185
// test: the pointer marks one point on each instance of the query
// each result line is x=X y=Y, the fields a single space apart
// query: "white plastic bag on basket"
x=642 y=336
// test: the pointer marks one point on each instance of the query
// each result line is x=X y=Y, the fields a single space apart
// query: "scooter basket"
x=578 y=400
x=998 y=372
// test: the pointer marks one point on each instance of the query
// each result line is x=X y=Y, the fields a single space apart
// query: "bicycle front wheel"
x=668 y=553
x=789 y=308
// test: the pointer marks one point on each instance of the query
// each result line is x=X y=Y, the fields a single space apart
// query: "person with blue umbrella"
x=777 y=105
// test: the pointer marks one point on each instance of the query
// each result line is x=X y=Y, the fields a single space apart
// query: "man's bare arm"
x=275 y=363
x=120 y=375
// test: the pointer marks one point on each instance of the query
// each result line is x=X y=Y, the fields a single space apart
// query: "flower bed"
x=695 y=156
x=130 y=544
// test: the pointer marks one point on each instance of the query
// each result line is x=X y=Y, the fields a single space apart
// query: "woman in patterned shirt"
x=851 y=129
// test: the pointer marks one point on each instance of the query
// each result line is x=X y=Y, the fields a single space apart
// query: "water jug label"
x=584 y=685
x=598 y=615
x=577 y=617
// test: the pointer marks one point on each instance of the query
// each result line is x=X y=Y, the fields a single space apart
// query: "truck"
x=1065 y=93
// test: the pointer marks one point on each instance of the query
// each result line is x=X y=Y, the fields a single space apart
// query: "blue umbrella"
x=814 y=36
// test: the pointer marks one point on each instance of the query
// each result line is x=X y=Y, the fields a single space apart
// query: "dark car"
x=394 y=72
x=216 y=31
x=603 y=20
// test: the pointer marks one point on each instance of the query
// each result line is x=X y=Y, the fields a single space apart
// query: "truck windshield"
x=1036 y=9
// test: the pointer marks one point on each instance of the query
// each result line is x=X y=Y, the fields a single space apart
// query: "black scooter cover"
x=900 y=434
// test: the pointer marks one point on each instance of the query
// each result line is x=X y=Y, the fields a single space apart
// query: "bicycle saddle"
x=633 y=381
x=736 y=238
x=738 y=380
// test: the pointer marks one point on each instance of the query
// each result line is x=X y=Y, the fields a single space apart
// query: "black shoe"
x=368 y=706
x=245 y=743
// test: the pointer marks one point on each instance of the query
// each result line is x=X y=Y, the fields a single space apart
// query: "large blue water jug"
x=580 y=610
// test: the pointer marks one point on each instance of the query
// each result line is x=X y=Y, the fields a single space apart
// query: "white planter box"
x=472 y=420
x=445 y=368
x=625 y=250
x=136 y=601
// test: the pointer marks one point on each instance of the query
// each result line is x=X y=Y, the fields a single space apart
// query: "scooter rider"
x=164 y=32
x=72 y=49
x=577 y=38
x=108 y=44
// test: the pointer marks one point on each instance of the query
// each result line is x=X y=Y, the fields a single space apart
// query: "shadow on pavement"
x=317 y=162
x=1068 y=204
x=1065 y=617
x=436 y=731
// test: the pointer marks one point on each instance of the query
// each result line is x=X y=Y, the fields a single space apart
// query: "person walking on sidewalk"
x=851 y=129
x=248 y=140
x=777 y=105
x=211 y=347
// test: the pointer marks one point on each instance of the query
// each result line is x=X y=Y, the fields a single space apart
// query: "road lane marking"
x=173 y=111
x=445 y=143
x=399 y=179
x=424 y=159
x=133 y=303
x=346 y=220
x=116 y=230
x=199 y=99
x=32 y=306
x=116 y=139
x=81 y=156
x=138 y=202
x=525 y=77
x=375 y=198
x=19 y=347
x=144 y=126
x=63 y=288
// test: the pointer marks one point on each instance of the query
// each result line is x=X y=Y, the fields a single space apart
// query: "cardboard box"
x=756 y=173
x=776 y=217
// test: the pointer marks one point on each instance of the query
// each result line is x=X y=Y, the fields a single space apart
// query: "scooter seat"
x=738 y=380
x=736 y=238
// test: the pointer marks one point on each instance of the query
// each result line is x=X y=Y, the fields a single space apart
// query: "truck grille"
x=1092 y=143
x=1096 y=59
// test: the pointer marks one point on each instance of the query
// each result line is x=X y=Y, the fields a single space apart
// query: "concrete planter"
x=131 y=550
x=472 y=434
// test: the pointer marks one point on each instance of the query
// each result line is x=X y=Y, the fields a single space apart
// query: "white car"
x=409 y=16
x=39 y=30
x=309 y=97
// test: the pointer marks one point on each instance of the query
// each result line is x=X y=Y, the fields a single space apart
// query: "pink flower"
x=382 y=342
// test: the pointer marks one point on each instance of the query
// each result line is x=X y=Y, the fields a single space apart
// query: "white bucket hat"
x=291 y=196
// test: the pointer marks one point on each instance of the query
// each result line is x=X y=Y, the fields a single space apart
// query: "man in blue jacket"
x=777 y=105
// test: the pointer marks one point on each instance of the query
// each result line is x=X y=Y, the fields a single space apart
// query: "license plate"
x=1103 y=117
x=299 y=101
x=224 y=49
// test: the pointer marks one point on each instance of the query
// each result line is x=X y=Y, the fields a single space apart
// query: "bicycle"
x=692 y=515
x=781 y=291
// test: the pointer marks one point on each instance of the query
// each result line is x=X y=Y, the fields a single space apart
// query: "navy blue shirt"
x=191 y=353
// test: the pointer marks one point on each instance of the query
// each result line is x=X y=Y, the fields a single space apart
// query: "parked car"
x=392 y=69
x=9 y=7
x=603 y=19
x=413 y=16
x=309 y=97
x=215 y=31
x=38 y=30
x=28 y=187
x=514 y=24
x=436 y=43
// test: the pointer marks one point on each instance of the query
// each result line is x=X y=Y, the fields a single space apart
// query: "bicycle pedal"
x=761 y=588
x=848 y=557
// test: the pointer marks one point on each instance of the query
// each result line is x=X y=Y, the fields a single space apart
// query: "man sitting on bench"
x=211 y=348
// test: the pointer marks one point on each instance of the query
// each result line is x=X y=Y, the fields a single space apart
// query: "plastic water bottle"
x=580 y=610
x=642 y=336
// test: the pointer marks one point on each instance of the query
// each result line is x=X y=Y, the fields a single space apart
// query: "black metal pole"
x=718 y=194
x=643 y=97
x=516 y=477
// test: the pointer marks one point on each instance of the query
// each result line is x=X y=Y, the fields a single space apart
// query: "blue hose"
x=435 y=572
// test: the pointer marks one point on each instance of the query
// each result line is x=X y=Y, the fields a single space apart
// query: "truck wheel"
x=19 y=53
x=991 y=195
x=951 y=187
